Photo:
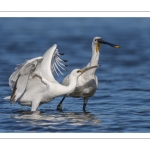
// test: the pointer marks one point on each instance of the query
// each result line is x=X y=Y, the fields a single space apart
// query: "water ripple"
x=121 y=102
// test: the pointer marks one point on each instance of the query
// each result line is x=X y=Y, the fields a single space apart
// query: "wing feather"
x=19 y=78
x=23 y=69
x=56 y=66
x=56 y=63
x=61 y=65
x=19 y=88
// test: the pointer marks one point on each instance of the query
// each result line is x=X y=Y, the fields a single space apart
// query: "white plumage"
x=33 y=83
x=87 y=83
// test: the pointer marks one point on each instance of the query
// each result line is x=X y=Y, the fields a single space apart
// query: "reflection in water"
x=56 y=119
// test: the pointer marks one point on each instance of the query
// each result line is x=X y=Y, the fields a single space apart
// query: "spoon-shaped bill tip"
x=113 y=45
x=116 y=46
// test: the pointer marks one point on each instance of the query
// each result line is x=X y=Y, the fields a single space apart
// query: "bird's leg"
x=85 y=102
x=35 y=104
x=59 y=106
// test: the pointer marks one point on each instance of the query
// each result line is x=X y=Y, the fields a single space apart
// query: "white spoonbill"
x=33 y=83
x=87 y=83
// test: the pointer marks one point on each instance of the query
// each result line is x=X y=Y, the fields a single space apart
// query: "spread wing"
x=19 y=78
x=57 y=63
x=23 y=69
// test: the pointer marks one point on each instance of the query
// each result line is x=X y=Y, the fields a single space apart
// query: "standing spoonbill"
x=87 y=83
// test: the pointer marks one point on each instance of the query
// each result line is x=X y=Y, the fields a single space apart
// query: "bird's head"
x=78 y=72
x=97 y=41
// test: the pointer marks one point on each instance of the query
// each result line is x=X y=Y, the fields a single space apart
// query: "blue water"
x=122 y=100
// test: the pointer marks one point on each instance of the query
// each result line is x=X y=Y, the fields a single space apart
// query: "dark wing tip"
x=65 y=60
x=62 y=53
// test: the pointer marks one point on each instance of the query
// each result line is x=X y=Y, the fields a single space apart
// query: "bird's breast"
x=85 y=90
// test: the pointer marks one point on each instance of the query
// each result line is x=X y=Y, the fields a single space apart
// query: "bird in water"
x=33 y=82
x=87 y=83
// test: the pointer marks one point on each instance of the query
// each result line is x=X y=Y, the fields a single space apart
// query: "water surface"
x=121 y=103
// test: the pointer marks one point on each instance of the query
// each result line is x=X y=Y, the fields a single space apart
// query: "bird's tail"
x=7 y=98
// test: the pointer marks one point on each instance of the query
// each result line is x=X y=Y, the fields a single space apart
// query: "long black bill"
x=113 y=45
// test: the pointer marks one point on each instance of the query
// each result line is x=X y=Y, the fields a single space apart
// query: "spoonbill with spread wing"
x=33 y=83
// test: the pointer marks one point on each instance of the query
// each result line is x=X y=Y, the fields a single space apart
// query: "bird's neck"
x=93 y=62
x=68 y=89
x=94 y=58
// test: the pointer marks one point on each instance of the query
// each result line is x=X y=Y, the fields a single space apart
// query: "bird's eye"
x=78 y=71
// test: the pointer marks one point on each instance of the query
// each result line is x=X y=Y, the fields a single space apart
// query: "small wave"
x=134 y=89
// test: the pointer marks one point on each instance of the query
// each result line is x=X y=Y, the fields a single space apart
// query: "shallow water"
x=121 y=103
